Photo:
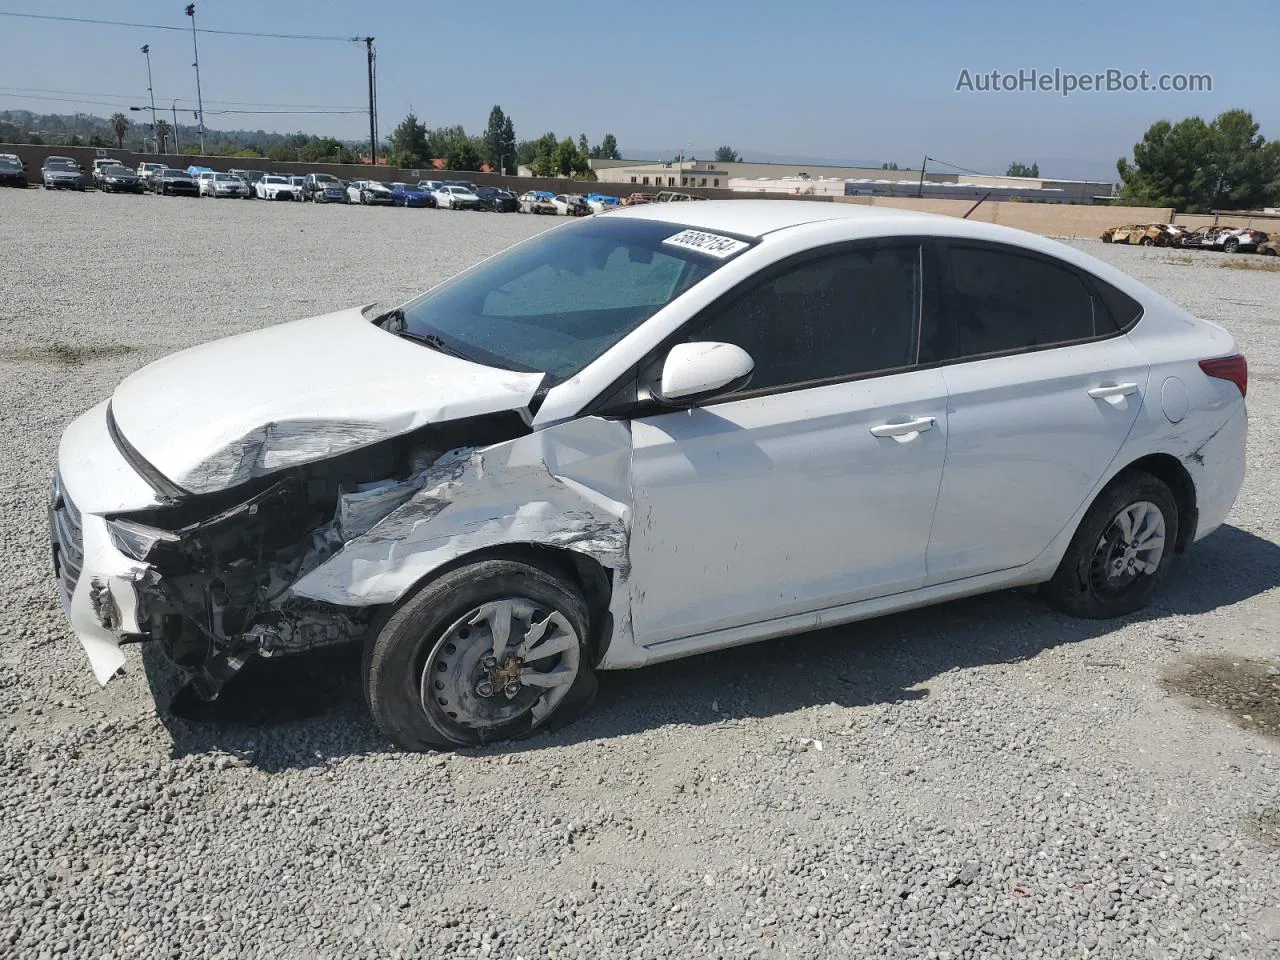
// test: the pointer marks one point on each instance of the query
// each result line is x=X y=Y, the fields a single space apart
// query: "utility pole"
x=177 y=140
x=146 y=49
x=191 y=12
x=920 y=187
x=373 y=97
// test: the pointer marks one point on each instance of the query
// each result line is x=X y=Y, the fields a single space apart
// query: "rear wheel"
x=1232 y=245
x=487 y=652
x=1146 y=242
x=1121 y=551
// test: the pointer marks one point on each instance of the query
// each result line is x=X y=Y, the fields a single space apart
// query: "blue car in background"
x=407 y=195
x=600 y=202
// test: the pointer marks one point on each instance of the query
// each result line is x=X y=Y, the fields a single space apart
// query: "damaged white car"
x=642 y=436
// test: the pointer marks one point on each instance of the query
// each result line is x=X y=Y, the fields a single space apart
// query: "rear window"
x=558 y=301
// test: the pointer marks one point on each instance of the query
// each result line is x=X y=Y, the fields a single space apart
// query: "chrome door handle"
x=919 y=425
x=1112 y=391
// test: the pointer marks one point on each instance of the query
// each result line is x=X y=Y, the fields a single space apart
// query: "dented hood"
x=217 y=415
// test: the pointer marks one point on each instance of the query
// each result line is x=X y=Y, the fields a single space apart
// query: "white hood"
x=217 y=415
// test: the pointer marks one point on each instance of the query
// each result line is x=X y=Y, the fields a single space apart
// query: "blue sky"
x=821 y=79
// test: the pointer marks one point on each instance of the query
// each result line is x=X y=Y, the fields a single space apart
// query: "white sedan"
x=274 y=187
x=222 y=185
x=369 y=192
x=645 y=436
x=453 y=197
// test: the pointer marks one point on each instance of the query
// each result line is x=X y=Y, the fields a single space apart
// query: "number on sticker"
x=712 y=244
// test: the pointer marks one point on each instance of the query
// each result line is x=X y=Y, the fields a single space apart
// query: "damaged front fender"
x=566 y=487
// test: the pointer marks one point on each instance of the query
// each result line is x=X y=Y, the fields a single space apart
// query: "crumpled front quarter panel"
x=567 y=486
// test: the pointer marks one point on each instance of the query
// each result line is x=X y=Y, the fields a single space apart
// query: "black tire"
x=1080 y=587
x=1231 y=245
x=424 y=628
x=1146 y=242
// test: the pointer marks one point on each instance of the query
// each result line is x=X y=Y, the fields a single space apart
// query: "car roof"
x=755 y=218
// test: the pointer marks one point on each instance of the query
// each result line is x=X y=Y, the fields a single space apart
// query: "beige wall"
x=1048 y=219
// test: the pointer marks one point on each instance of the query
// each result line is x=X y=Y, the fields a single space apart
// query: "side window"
x=1002 y=300
x=850 y=313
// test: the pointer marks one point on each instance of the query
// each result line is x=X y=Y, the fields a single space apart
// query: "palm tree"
x=120 y=124
x=162 y=134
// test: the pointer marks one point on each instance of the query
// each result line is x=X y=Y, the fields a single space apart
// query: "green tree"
x=441 y=139
x=727 y=155
x=35 y=140
x=119 y=126
x=1196 y=167
x=499 y=141
x=462 y=155
x=526 y=150
x=162 y=134
x=545 y=163
x=888 y=166
x=608 y=149
x=584 y=148
x=1018 y=169
x=408 y=144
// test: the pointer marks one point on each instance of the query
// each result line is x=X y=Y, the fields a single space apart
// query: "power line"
x=134 y=96
x=161 y=26
x=117 y=106
x=976 y=173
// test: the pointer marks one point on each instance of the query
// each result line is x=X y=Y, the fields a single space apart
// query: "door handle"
x=1113 y=391
x=906 y=430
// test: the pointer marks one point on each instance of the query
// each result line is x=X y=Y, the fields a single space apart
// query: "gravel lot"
x=982 y=779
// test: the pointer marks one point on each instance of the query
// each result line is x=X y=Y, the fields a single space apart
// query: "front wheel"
x=1121 y=551
x=1231 y=246
x=486 y=652
x=1146 y=242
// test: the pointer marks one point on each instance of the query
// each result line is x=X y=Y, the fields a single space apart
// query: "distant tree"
x=727 y=155
x=888 y=166
x=1196 y=167
x=409 y=146
x=441 y=139
x=508 y=146
x=544 y=162
x=584 y=148
x=462 y=155
x=1017 y=169
x=98 y=140
x=35 y=140
x=119 y=126
x=609 y=148
x=499 y=141
x=162 y=134
x=73 y=141
x=526 y=150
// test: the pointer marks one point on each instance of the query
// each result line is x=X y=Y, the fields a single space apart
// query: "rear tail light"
x=1234 y=368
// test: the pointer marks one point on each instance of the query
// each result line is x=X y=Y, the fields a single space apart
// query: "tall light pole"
x=177 y=143
x=191 y=12
x=146 y=49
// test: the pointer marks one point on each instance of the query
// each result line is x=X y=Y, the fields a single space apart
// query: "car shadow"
x=304 y=711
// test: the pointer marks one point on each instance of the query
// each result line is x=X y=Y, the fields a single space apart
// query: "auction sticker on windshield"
x=712 y=244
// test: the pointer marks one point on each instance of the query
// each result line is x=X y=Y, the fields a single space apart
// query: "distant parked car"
x=571 y=205
x=323 y=188
x=117 y=178
x=637 y=198
x=430 y=186
x=537 y=201
x=600 y=202
x=274 y=187
x=101 y=162
x=223 y=185
x=453 y=197
x=171 y=182
x=1144 y=234
x=369 y=192
x=299 y=186
x=1222 y=237
x=405 y=195
x=250 y=178
x=62 y=173
x=12 y=173
x=195 y=170
x=1269 y=247
x=497 y=200
x=148 y=170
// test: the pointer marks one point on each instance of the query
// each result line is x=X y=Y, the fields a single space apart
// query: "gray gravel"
x=983 y=779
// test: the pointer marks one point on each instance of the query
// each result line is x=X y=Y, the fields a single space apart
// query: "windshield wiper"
x=395 y=323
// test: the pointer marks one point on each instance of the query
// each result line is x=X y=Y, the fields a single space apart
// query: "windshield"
x=9 y=165
x=226 y=177
x=325 y=178
x=118 y=171
x=558 y=301
x=275 y=180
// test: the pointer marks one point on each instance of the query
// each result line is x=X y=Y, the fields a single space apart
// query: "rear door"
x=1043 y=390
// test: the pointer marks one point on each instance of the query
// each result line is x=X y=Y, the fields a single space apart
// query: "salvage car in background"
x=1225 y=238
x=369 y=192
x=323 y=188
x=405 y=195
x=148 y=170
x=274 y=187
x=537 y=201
x=497 y=200
x=1269 y=247
x=250 y=178
x=602 y=202
x=62 y=173
x=1145 y=234
x=571 y=205
x=117 y=178
x=223 y=185
x=453 y=197
x=12 y=173
x=590 y=452
x=172 y=182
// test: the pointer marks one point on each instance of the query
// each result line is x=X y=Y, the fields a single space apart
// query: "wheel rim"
x=501 y=663
x=1131 y=547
